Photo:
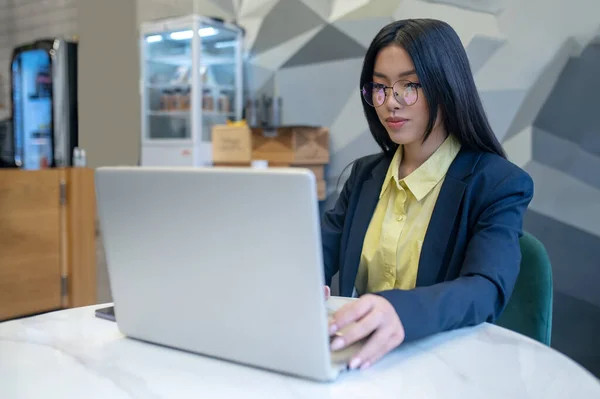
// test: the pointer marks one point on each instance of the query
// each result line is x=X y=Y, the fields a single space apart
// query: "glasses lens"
x=405 y=92
x=374 y=94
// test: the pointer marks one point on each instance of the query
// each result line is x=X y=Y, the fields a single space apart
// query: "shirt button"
x=400 y=218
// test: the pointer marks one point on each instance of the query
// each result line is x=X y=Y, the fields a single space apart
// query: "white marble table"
x=72 y=354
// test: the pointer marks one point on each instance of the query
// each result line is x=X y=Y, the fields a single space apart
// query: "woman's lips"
x=395 y=122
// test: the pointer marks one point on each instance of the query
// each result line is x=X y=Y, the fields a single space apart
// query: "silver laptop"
x=224 y=262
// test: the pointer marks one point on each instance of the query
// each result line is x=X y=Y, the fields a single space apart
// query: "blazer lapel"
x=441 y=225
x=439 y=231
x=367 y=201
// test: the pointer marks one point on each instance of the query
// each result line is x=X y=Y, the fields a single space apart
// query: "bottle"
x=276 y=112
x=182 y=99
x=251 y=116
x=264 y=114
x=267 y=108
x=79 y=158
x=164 y=100
x=257 y=114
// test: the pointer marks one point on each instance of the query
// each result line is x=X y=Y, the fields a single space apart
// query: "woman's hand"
x=370 y=315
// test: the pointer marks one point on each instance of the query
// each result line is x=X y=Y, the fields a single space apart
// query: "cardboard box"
x=298 y=145
x=318 y=170
x=231 y=144
x=273 y=146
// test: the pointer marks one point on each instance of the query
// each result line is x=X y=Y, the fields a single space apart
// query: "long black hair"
x=443 y=68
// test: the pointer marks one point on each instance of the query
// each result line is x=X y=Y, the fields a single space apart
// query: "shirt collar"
x=423 y=179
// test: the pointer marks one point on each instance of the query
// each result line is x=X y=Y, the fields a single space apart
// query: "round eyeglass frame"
x=409 y=91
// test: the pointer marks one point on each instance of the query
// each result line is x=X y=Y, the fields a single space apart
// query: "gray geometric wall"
x=565 y=212
x=538 y=85
x=313 y=61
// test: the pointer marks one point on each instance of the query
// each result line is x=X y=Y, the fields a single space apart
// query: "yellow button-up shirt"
x=392 y=244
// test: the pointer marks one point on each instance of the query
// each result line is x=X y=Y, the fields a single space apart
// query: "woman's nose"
x=391 y=101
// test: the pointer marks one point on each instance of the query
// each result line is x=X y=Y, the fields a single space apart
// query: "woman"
x=427 y=232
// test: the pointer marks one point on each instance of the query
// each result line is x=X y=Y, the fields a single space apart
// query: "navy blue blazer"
x=470 y=256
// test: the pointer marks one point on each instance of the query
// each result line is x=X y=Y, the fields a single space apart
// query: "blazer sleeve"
x=332 y=227
x=488 y=274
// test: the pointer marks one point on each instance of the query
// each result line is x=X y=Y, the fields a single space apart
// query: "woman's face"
x=405 y=124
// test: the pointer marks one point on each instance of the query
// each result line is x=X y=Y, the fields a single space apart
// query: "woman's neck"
x=415 y=154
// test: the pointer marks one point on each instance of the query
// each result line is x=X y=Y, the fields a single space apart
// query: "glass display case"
x=191 y=80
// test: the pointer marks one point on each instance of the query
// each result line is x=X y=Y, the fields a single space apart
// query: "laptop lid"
x=224 y=262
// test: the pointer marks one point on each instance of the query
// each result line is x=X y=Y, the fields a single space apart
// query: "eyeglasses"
x=405 y=92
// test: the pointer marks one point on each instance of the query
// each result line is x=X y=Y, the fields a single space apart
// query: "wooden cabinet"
x=47 y=240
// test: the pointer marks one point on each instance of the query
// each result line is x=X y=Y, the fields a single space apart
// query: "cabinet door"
x=30 y=274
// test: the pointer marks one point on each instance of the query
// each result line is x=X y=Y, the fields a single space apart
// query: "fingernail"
x=354 y=363
x=365 y=365
x=337 y=343
x=332 y=329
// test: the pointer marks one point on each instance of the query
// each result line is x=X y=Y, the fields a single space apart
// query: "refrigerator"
x=44 y=103
x=191 y=80
x=6 y=145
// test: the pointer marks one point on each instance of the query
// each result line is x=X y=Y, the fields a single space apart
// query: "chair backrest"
x=529 y=310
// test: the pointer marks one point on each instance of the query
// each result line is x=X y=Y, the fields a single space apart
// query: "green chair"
x=529 y=309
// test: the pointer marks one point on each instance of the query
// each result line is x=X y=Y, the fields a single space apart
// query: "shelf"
x=218 y=87
x=40 y=97
x=187 y=113
x=166 y=86
x=172 y=60
x=40 y=141
x=174 y=114
x=218 y=113
x=187 y=60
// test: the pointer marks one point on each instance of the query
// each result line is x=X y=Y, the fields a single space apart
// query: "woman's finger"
x=350 y=313
x=391 y=343
x=357 y=331
x=375 y=347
